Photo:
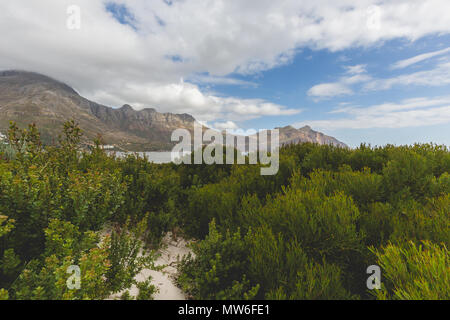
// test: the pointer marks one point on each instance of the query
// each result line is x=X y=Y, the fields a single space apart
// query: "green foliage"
x=326 y=157
x=9 y=263
x=415 y=272
x=416 y=221
x=308 y=232
x=26 y=144
x=153 y=192
x=7 y=227
x=146 y=290
x=407 y=175
x=125 y=257
x=7 y=152
x=105 y=268
x=126 y=296
x=221 y=200
x=57 y=200
x=363 y=186
x=4 y=294
x=309 y=228
x=218 y=271
x=285 y=272
x=325 y=227
x=45 y=278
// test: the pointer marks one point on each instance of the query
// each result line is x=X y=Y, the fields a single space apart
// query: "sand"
x=171 y=251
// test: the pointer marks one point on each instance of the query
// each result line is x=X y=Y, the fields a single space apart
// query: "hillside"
x=27 y=97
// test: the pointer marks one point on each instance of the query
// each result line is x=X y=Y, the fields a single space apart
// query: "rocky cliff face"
x=291 y=135
x=27 y=97
x=147 y=123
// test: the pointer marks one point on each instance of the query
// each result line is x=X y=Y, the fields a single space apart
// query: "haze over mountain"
x=27 y=97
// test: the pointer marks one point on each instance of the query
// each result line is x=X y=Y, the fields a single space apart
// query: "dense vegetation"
x=61 y=207
x=309 y=232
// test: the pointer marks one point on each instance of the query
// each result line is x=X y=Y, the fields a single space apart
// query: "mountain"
x=27 y=97
x=290 y=135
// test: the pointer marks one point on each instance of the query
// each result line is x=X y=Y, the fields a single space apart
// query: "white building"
x=107 y=147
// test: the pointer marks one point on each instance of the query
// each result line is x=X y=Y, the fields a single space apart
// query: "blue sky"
x=374 y=71
x=121 y=13
x=289 y=85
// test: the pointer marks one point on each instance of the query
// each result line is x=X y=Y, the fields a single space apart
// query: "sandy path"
x=164 y=279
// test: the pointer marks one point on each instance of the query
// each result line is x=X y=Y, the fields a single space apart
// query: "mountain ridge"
x=29 y=97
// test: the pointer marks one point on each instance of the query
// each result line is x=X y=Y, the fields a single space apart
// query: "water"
x=155 y=157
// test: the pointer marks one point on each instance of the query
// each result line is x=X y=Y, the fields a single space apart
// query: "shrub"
x=217 y=268
x=414 y=272
x=285 y=272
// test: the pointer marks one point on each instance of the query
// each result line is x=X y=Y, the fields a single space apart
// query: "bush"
x=57 y=200
x=414 y=272
x=325 y=208
x=284 y=271
x=217 y=268
x=308 y=232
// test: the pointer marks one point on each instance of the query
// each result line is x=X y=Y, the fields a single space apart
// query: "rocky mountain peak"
x=28 y=97
x=23 y=80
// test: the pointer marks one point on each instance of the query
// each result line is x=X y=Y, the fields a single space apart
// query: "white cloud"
x=230 y=125
x=419 y=58
x=207 y=79
x=437 y=76
x=358 y=69
x=408 y=113
x=184 y=97
x=353 y=75
x=360 y=81
x=116 y=64
x=328 y=90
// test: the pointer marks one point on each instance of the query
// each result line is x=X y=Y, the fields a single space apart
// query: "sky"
x=366 y=71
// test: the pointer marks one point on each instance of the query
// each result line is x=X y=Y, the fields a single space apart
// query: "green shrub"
x=284 y=271
x=217 y=268
x=303 y=233
x=414 y=272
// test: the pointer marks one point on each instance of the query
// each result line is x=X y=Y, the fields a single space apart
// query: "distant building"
x=107 y=147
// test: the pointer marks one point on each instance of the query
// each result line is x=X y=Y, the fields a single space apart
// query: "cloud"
x=230 y=125
x=358 y=69
x=185 y=97
x=359 y=81
x=419 y=58
x=437 y=76
x=212 y=80
x=408 y=113
x=328 y=90
x=141 y=58
x=353 y=75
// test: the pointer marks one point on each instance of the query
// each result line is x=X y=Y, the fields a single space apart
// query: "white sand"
x=164 y=279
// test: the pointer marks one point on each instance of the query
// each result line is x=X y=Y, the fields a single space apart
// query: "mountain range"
x=27 y=97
